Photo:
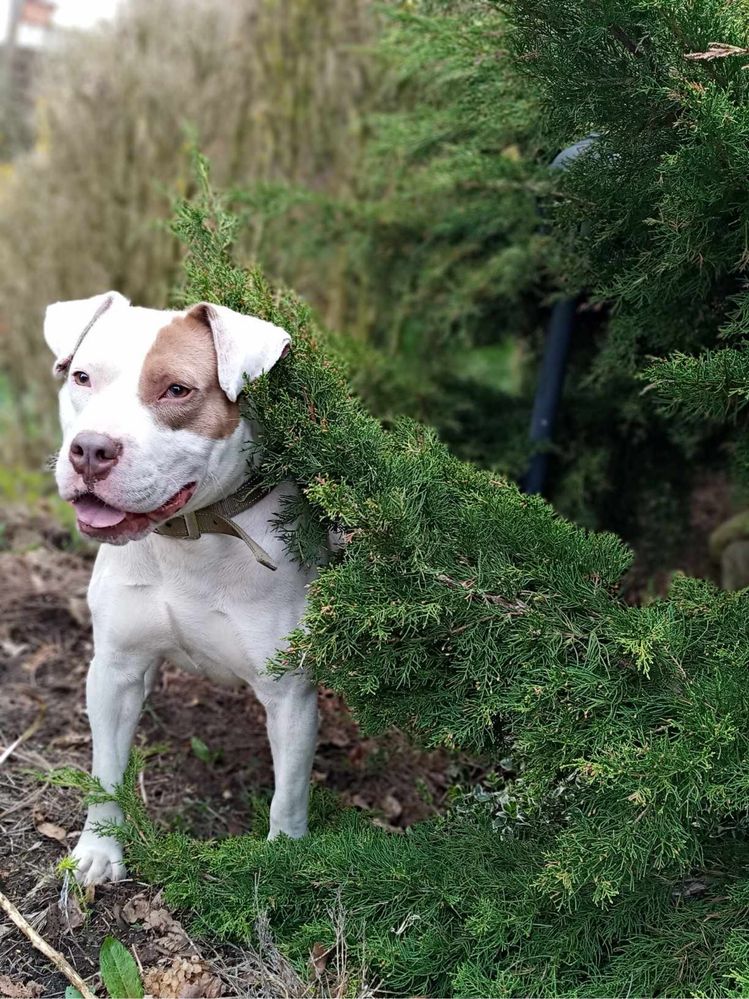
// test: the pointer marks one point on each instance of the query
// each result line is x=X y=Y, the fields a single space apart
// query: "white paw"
x=98 y=859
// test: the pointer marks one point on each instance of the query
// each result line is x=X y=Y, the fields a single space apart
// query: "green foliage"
x=471 y=616
x=711 y=386
x=119 y=972
x=655 y=216
x=435 y=254
x=203 y=753
x=452 y=908
x=662 y=195
x=432 y=258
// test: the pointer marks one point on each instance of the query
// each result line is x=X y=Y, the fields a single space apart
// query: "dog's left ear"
x=245 y=345
x=67 y=323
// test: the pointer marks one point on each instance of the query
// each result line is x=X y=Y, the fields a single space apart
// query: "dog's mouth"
x=100 y=520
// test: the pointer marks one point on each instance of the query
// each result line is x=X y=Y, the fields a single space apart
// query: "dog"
x=154 y=460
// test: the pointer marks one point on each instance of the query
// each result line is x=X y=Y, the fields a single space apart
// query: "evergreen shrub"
x=443 y=267
x=654 y=219
x=610 y=855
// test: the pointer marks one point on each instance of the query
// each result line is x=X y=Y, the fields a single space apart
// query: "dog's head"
x=149 y=409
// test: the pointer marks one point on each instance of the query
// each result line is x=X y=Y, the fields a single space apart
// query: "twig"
x=512 y=607
x=716 y=50
x=23 y=803
x=59 y=961
x=6 y=753
x=624 y=39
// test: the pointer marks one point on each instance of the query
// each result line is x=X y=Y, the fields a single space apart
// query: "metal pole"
x=553 y=363
x=549 y=392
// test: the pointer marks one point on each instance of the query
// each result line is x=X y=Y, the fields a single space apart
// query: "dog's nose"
x=94 y=456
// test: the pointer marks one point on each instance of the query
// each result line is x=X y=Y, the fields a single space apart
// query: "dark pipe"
x=554 y=362
x=549 y=392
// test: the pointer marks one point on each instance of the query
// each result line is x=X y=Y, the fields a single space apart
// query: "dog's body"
x=152 y=430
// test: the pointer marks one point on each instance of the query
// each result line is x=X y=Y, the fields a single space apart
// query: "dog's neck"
x=218 y=518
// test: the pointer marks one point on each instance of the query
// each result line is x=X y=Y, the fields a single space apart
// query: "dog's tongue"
x=95 y=513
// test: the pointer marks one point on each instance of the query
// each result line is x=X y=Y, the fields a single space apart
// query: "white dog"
x=153 y=453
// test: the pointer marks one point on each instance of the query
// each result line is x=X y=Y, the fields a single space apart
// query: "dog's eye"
x=81 y=378
x=176 y=391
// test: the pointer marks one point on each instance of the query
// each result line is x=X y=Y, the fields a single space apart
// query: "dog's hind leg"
x=114 y=697
x=291 y=708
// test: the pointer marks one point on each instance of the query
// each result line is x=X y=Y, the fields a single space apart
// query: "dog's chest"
x=227 y=627
x=212 y=609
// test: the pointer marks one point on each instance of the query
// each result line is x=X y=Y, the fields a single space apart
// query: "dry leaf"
x=52 y=831
x=11 y=650
x=338 y=737
x=392 y=807
x=78 y=610
x=170 y=936
x=136 y=909
x=71 y=739
x=65 y=915
x=383 y=824
x=183 y=979
x=318 y=957
x=14 y=990
x=71 y=912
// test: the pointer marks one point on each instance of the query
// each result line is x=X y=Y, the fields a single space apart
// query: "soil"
x=45 y=646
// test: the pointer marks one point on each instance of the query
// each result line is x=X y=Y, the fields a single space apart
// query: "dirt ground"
x=45 y=645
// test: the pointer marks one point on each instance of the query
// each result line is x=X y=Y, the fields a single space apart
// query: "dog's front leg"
x=115 y=691
x=291 y=713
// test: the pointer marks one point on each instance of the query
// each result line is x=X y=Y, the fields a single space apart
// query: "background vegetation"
x=271 y=90
x=605 y=852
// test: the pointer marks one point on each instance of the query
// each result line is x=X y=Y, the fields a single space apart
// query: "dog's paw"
x=98 y=859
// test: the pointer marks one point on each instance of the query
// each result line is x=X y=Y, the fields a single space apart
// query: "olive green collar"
x=217 y=519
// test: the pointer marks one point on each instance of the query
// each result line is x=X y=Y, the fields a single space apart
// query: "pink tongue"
x=94 y=513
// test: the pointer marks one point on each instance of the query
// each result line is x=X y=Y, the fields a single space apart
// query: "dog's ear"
x=245 y=345
x=67 y=323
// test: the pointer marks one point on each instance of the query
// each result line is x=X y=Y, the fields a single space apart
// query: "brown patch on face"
x=183 y=354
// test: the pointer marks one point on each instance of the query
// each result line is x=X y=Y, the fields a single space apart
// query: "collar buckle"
x=191 y=523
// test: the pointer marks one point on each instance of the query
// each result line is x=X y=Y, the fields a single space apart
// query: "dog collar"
x=217 y=519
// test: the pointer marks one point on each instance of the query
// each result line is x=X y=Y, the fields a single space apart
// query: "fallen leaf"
x=52 y=831
x=319 y=957
x=11 y=650
x=38 y=658
x=337 y=737
x=183 y=979
x=78 y=610
x=15 y=990
x=71 y=738
x=392 y=807
x=136 y=909
x=382 y=824
x=64 y=915
x=169 y=934
x=71 y=912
